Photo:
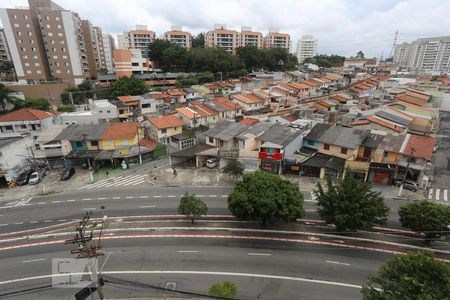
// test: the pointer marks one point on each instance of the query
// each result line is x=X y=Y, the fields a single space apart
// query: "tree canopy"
x=413 y=276
x=198 y=41
x=234 y=168
x=224 y=289
x=326 y=61
x=79 y=94
x=66 y=108
x=192 y=207
x=351 y=204
x=427 y=217
x=7 y=71
x=35 y=103
x=266 y=197
x=128 y=86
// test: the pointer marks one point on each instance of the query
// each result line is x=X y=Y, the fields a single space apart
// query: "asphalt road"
x=250 y=261
x=126 y=201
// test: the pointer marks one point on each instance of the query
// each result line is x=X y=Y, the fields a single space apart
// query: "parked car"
x=408 y=185
x=34 y=178
x=67 y=173
x=23 y=177
x=211 y=163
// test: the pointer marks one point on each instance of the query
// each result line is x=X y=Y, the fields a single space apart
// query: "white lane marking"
x=325 y=282
x=309 y=210
x=40 y=203
x=1 y=225
x=308 y=200
x=337 y=263
x=138 y=182
x=48 y=221
x=212 y=196
x=89 y=208
x=102 y=198
x=116 y=197
x=23 y=202
x=430 y=194
x=146 y=206
x=56 y=201
x=34 y=222
x=445 y=195
x=438 y=193
x=18 y=223
x=129 y=197
x=33 y=260
x=259 y=254
x=157 y=196
x=187 y=251
x=76 y=220
x=130 y=180
x=62 y=220
x=86 y=199
x=200 y=195
x=171 y=196
x=143 y=197
x=224 y=196
x=71 y=200
x=1 y=215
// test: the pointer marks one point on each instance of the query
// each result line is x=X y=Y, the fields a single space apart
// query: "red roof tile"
x=418 y=95
x=385 y=124
x=422 y=145
x=120 y=131
x=25 y=114
x=407 y=99
x=248 y=121
x=168 y=121
x=151 y=144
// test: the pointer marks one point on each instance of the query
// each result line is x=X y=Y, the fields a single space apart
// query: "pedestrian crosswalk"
x=438 y=194
x=128 y=180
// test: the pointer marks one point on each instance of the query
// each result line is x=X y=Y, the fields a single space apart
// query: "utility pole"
x=88 y=250
x=71 y=98
x=139 y=145
x=406 y=173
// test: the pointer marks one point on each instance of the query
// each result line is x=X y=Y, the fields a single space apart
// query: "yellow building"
x=120 y=134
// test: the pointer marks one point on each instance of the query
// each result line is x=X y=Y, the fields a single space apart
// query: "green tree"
x=234 y=168
x=326 y=61
x=198 y=41
x=174 y=58
x=427 y=217
x=192 y=207
x=128 y=86
x=66 y=108
x=79 y=94
x=156 y=50
x=266 y=197
x=413 y=276
x=252 y=57
x=103 y=71
x=37 y=103
x=351 y=204
x=5 y=98
x=226 y=290
x=7 y=71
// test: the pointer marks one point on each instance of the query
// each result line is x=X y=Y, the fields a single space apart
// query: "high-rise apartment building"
x=276 y=39
x=247 y=37
x=94 y=48
x=176 y=35
x=139 y=38
x=306 y=47
x=430 y=54
x=4 y=51
x=108 y=47
x=221 y=37
x=46 y=41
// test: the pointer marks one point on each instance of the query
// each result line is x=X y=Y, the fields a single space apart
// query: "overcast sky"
x=342 y=26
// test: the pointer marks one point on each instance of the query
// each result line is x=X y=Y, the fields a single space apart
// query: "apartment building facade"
x=4 y=50
x=108 y=48
x=138 y=38
x=222 y=37
x=429 y=54
x=277 y=39
x=248 y=37
x=94 y=47
x=46 y=41
x=177 y=36
x=306 y=47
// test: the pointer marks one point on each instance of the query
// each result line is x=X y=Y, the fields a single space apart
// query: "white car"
x=34 y=178
x=211 y=163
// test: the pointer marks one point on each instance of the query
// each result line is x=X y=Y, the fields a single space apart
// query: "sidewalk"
x=165 y=176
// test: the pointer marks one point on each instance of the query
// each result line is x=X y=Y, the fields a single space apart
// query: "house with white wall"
x=25 y=121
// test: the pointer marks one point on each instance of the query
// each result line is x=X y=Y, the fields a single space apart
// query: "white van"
x=211 y=163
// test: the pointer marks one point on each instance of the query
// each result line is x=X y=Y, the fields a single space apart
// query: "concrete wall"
x=50 y=91
x=336 y=151
x=13 y=155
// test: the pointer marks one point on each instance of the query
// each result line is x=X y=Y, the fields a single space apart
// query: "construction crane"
x=393 y=44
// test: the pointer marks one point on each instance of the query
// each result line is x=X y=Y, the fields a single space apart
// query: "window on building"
x=60 y=34
x=211 y=140
x=163 y=131
x=326 y=146
x=33 y=49
x=19 y=33
x=47 y=18
x=94 y=143
x=108 y=111
x=386 y=154
x=59 y=26
x=30 y=33
x=68 y=71
x=27 y=25
x=26 y=64
x=35 y=57
x=20 y=41
x=79 y=144
x=14 y=16
x=38 y=71
x=57 y=18
x=25 y=57
x=48 y=26
x=367 y=151
x=50 y=34
x=31 y=41
x=28 y=71
x=344 y=150
x=16 y=25
x=23 y=126
x=8 y=128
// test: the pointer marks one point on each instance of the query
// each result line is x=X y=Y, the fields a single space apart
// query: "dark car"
x=23 y=177
x=67 y=173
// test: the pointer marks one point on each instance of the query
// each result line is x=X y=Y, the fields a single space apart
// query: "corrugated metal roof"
x=226 y=130
x=80 y=132
x=317 y=131
x=344 y=137
x=279 y=134
x=393 y=117
x=320 y=160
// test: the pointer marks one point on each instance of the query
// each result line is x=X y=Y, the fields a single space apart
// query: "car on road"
x=408 y=185
x=23 y=177
x=67 y=174
x=211 y=163
x=34 y=178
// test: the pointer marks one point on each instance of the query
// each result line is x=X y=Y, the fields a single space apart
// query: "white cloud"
x=342 y=26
